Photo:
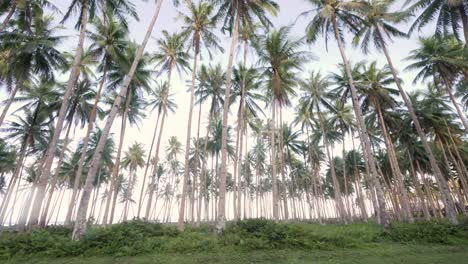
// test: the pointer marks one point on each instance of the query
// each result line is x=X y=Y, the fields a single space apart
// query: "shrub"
x=440 y=232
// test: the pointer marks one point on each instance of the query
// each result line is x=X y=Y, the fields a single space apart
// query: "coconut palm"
x=198 y=24
x=25 y=53
x=331 y=17
x=376 y=93
x=448 y=16
x=109 y=40
x=246 y=84
x=379 y=29
x=443 y=60
x=133 y=159
x=236 y=14
x=279 y=56
x=80 y=226
x=171 y=55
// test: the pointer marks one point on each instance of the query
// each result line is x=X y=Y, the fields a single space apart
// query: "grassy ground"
x=253 y=241
x=375 y=253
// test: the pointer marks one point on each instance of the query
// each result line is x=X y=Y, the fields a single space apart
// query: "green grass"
x=375 y=253
x=252 y=241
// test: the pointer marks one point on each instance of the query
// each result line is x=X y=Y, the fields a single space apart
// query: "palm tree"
x=376 y=93
x=199 y=25
x=377 y=24
x=29 y=130
x=211 y=86
x=317 y=95
x=330 y=17
x=172 y=54
x=448 y=15
x=236 y=14
x=108 y=43
x=133 y=159
x=444 y=60
x=80 y=225
x=25 y=53
x=246 y=84
x=279 y=56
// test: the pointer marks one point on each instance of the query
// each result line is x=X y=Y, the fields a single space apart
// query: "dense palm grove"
x=362 y=143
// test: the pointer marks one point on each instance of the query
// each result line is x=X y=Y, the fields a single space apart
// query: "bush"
x=440 y=232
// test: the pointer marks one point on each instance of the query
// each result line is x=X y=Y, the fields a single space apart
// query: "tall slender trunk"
x=221 y=216
x=156 y=156
x=395 y=167
x=461 y=115
x=49 y=157
x=92 y=119
x=444 y=188
x=8 y=103
x=273 y=163
x=383 y=219
x=464 y=19
x=80 y=225
x=148 y=160
x=14 y=179
x=180 y=223
x=282 y=165
x=336 y=184
x=116 y=169
x=42 y=220
x=8 y=18
x=196 y=184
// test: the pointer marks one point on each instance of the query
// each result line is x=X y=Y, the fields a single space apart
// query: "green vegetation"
x=250 y=241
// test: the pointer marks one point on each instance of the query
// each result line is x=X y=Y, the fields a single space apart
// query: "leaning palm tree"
x=109 y=40
x=279 y=57
x=80 y=225
x=28 y=130
x=447 y=15
x=25 y=53
x=376 y=93
x=236 y=14
x=171 y=55
x=330 y=18
x=444 y=61
x=377 y=27
x=198 y=24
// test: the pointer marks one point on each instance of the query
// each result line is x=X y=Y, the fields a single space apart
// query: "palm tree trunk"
x=42 y=221
x=8 y=103
x=49 y=157
x=461 y=115
x=7 y=19
x=80 y=225
x=221 y=216
x=395 y=167
x=79 y=171
x=282 y=165
x=142 y=193
x=273 y=163
x=444 y=188
x=180 y=223
x=116 y=168
x=196 y=184
x=336 y=184
x=383 y=219
x=156 y=156
x=464 y=19
x=14 y=179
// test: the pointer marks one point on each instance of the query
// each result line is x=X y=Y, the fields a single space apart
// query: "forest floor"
x=251 y=241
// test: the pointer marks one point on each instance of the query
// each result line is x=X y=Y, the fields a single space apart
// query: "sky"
x=325 y=61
